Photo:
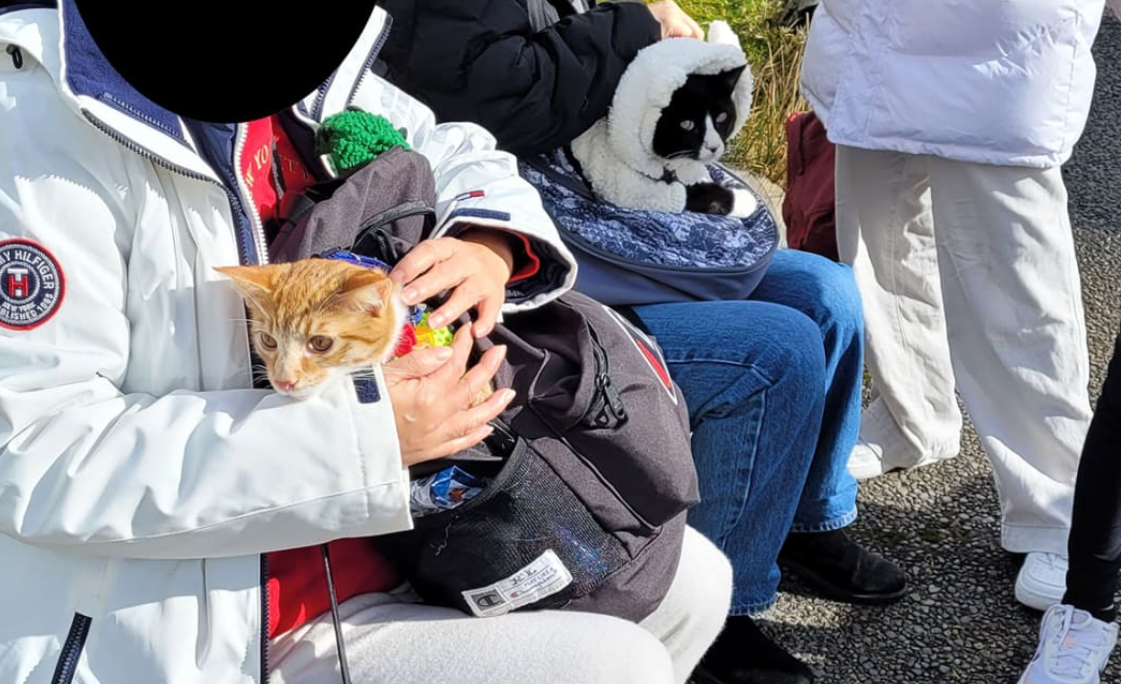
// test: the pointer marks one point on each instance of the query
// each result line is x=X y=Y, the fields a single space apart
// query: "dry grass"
x=775 y=55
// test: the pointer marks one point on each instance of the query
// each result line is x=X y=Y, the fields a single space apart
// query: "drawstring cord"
x=335 y=616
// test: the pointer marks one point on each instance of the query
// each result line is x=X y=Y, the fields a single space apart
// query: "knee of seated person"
x=701 y=594
x=708 y=567
x=835 y=298
x=801 y=358
x=756 y=332
x=617 y=651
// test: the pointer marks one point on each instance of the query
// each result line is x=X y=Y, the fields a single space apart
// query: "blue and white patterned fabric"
x=631 y=257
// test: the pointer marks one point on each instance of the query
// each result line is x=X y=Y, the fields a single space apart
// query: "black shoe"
x=743 y=654
x=840 y=569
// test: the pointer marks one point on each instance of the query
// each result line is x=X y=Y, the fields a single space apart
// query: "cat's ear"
x=247 y=279
x=732 y=76
x=365 y=290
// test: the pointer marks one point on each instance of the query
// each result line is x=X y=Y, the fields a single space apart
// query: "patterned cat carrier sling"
x=577 y=501
x=630 y=257
x=632 y=250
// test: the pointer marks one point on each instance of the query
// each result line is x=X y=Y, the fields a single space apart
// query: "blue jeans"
x=773 y=386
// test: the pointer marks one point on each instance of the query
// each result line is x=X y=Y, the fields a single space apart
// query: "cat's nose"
x=284 y=385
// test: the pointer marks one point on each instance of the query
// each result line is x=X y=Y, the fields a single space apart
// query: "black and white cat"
x=676 y=108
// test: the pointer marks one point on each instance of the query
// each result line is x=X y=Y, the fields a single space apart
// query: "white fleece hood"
x=655 y=74
x=616 y=152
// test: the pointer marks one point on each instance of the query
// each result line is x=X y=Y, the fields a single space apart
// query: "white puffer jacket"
x=987 y=81
x=141 y=477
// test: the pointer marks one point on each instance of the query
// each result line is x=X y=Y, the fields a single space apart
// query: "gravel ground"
x=961 y=622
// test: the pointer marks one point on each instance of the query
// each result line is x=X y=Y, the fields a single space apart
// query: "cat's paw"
x=744 y=203
x=709 y=198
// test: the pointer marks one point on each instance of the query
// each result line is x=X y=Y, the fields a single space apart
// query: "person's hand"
x=675 y=22
x=477 y=265
x=431 y=392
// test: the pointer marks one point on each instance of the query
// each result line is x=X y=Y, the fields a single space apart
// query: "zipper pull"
x=17 y=56
x=615 y=402
x=611 y=411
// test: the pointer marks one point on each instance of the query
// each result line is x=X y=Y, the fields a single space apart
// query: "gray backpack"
x=580 y=495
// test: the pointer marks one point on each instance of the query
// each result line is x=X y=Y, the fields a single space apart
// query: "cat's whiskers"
x=260 y=373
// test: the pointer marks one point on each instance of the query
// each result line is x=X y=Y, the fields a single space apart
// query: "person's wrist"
x=497 y=241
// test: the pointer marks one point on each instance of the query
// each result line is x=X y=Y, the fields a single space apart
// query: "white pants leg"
x=885 y=231
x=996 y=244
x=390 y=639
x=1017 y=336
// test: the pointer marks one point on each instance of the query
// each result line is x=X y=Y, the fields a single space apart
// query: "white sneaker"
x=866 y=461
x=1042 y=580
x=1073 y=648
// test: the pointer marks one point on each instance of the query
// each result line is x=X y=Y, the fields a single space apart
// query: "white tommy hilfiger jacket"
x=142 y=478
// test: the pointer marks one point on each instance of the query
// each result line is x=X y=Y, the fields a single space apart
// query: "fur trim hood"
x=650 y=81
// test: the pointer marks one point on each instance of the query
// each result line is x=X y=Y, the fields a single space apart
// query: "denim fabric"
x=773 y=386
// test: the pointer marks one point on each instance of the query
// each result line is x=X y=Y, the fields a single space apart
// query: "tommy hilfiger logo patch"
x=31 y=285
x=470 y=195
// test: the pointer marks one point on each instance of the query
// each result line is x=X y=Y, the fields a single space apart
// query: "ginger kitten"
x=316 y=321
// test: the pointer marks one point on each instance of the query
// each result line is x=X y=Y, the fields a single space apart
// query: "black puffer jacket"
x=536 y=73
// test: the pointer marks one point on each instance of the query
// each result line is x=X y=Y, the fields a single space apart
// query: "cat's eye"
x=687 y=125
x=722 y=117
x=320 y=343
x=267 y=341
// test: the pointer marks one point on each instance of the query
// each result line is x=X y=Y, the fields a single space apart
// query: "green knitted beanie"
x=353 y=138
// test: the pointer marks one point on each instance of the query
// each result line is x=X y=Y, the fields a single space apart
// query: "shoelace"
x=1074 y=652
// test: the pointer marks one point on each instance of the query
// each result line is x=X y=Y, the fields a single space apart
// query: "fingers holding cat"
x=674 y=21
x=432 y=391
x=475 y=268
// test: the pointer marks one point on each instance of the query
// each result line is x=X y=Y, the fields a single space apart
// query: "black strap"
x=335 y=616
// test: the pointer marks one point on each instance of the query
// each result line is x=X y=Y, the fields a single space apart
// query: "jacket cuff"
x=526 y=262
x=544 y=270
x=387 y=481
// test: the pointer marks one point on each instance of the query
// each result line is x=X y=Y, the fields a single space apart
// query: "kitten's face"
x=313 y=322
x=699 y=118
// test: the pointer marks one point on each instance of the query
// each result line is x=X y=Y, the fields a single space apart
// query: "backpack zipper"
x=595 y=471
x=606 y=409
x=373 y=225
x=606 y=400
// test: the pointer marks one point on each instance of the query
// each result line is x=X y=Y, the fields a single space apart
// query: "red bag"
x=808 y=208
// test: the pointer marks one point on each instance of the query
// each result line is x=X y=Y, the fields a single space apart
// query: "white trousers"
x=392 y=639
x=969 y=281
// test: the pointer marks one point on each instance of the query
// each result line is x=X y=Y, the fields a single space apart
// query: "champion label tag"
x=31 y=285
x=543 y=577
